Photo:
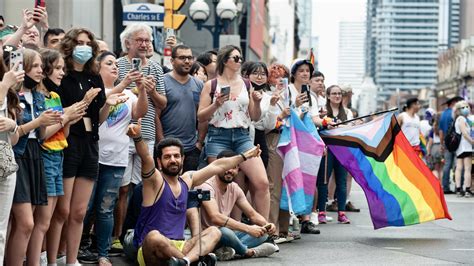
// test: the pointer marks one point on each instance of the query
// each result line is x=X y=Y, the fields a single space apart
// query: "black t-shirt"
x=73 y=88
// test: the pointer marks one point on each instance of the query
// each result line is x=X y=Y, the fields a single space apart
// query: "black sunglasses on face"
x=237 y=58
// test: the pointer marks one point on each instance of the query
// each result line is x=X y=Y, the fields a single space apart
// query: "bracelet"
x=226 y=222
x=149 y=174
x=22 y=133
x=243 y=156
x=14 y=130
x=137 y=139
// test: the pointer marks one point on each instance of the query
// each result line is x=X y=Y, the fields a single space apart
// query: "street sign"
x=152 y=15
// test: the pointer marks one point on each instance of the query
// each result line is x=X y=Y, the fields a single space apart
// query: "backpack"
x=452 y=139
x=214 y=87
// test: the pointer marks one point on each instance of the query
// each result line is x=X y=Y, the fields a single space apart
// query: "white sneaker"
x=225 y=253
x=314 y=218
x=43 y=259
x=264 y=250
x=61 y=260
x=329 y=218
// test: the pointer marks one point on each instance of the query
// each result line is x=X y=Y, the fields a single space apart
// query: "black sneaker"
x=208 y=260
x=307 y=227
x=176 y=262
x=84 y=256
x=448 y=192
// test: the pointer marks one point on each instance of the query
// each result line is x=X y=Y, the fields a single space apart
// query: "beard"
x=167 y=170
x=224 y=180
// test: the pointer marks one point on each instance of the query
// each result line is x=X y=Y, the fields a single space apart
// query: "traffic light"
x=173 y=21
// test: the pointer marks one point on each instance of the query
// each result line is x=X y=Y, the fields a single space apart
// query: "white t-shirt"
x=464 y=145
x=313 y=109
x=411 y=128
x=425 y=127
x=114 y=142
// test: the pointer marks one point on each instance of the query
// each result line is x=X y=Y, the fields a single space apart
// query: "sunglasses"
x=237 y=58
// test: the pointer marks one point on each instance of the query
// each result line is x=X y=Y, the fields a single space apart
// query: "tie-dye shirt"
x=113 y=141
x=57 y=142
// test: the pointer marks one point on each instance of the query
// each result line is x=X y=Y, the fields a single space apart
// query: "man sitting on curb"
x=159 y=233
x=245 y=240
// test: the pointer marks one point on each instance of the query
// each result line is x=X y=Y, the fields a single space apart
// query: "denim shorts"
x=221 y=139
x=53 y=171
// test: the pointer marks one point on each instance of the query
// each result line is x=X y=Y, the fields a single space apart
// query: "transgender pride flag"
x=301 y=149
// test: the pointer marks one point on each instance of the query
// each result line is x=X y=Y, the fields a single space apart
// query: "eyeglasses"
x=184 y=58
x=259 y=74
x=336 y=94
x=142 y=41
x=237 y=58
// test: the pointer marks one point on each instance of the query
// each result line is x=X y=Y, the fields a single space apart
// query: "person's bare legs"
x=209 y=239
x=60 y=216
x=22 y=227
x=79 y=200
x=457 y=173
x=467 y=172
x=42 y=218
x=259 y=189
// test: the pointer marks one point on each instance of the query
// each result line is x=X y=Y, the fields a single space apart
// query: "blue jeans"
x=102 y=202
x=221 y=139
x=340 y=174
x=449 y=159
x=239 y=241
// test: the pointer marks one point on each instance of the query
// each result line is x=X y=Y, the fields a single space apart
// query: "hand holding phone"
x=38 y=3
x=16 y=57
x=136 y=63
x=225 y=90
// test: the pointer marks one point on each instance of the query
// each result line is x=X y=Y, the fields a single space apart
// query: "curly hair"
x=49 y=56
x=276 y=71
x=68 y=44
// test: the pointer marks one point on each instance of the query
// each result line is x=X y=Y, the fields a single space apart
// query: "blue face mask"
x=465 y=111
x=82 y=54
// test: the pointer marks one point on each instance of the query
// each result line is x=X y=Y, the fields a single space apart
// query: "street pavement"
x=440 y=242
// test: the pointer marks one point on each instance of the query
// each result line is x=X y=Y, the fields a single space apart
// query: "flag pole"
x=365 y=116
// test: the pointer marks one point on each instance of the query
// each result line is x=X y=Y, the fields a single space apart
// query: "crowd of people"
x=103 y=152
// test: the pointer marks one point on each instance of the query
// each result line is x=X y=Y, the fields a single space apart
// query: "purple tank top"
x=167 y=215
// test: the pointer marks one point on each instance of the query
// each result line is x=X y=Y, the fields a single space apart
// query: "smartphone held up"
x=16 y=56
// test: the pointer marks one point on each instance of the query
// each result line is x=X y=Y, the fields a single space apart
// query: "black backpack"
x=452 y=139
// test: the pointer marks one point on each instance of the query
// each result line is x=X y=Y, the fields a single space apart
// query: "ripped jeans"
x=102 y=203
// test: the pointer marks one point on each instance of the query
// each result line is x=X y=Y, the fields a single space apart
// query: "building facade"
x=403 y=38
x=351 y=60
x=282 y=30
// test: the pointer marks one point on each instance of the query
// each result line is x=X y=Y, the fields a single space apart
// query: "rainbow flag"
x=423 y=145
x=399 y=187
x=311 y=57
x=301 y=148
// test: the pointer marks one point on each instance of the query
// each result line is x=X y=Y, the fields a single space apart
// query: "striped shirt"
x=56 y=142
x=154 y=69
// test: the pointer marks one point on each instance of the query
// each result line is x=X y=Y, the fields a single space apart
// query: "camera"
x=199 y=195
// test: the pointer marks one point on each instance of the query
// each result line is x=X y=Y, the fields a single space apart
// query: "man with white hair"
x=136 y=40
